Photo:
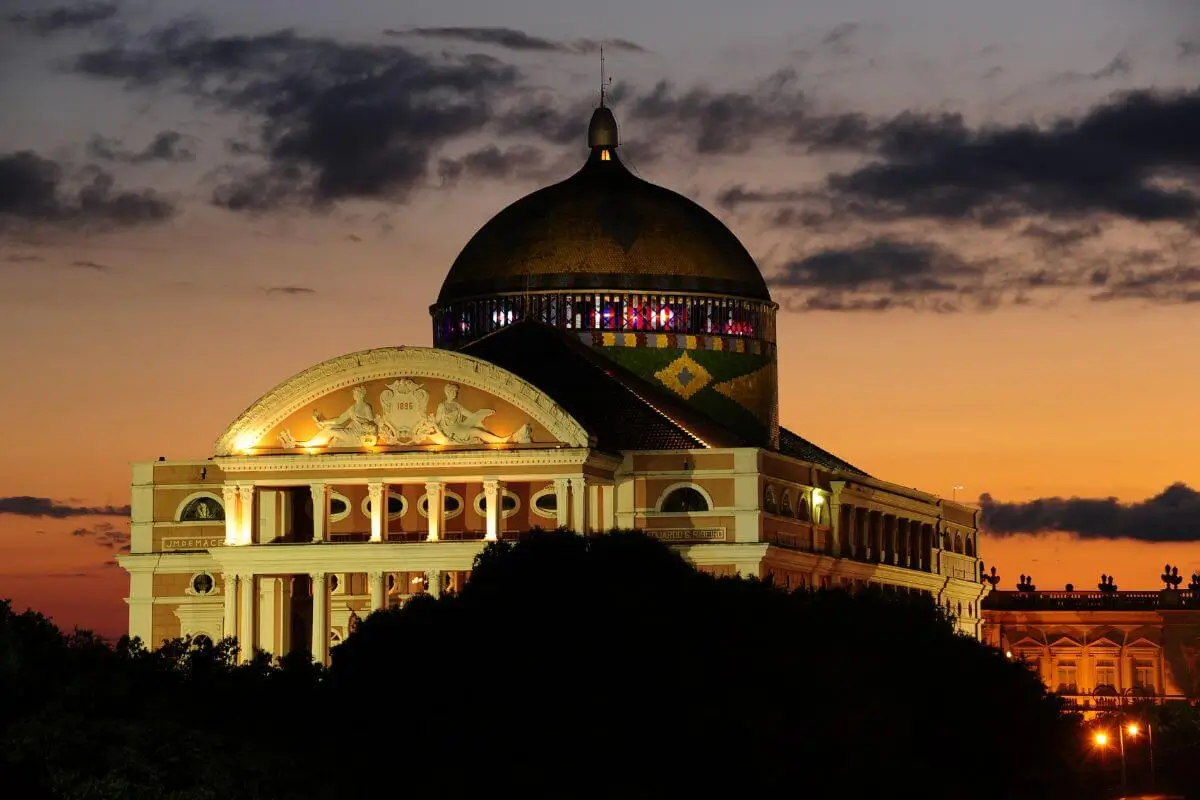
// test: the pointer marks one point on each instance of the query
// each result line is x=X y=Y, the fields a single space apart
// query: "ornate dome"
x=603 y=229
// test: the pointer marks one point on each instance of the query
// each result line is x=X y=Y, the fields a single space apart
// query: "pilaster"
x=378 y=509
x=320 y=504
x=320 y=618
x=492 y=509
x=435 y=506
x=561 y=499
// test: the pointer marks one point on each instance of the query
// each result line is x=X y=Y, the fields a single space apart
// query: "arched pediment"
x=394 y=397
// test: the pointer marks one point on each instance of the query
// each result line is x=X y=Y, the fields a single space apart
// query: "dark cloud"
x=1189 y=48
x=25 y=506
x=724 y=121
x=1062 y=236
x=23 y=259
x=64 y=18
x=1176 y=284
x=511 y=39
x=170 y=146
x=337 y=120
x=882 y=265
x=1112 y=160
x=289 y=290
x=36 y=190
x=106 y=535
x=838 y=38
x=738 y=195
x=92 y=265
x=492 y=163
x=1170 y=516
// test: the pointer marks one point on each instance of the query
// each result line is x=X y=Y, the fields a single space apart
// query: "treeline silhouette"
x=603 y=666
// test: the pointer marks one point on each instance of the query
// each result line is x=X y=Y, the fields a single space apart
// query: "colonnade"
x=241 y=618
x=882 y=538
x=578 y=502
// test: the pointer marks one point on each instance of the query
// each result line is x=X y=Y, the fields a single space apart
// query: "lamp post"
x=1121 y=738
x=1134 y=730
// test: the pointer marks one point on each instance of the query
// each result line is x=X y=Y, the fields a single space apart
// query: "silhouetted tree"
x=566 y=667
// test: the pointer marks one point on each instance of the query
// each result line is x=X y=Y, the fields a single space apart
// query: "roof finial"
x=604 y=79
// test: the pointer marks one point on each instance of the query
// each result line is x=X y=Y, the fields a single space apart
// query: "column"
x=378 y=510
x=434 y=578
x=246 y=512
x=560 y=499
x=579 y=520
x=268 y=593
x=436 y=507
x=229 y=498
x=231 y=593
x=492 y=509
x=594 y=508
x=246 y=615
x=378 y=584
x=608 y=515
x=320 y=618
x=320 y=503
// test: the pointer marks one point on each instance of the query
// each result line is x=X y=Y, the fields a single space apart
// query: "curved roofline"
x=293 y=394
x=603 y=158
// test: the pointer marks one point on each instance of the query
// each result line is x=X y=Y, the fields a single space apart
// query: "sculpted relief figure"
x=354 y=427
x=457 y=425
x=404 y=419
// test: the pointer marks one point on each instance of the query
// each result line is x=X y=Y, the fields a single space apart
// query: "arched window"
x=201 y=641
x=970 y=546
x=802 y=511
x=785 y=504
x=769 y=502
x=958 y=545
x=202 y=508
x=684 y=500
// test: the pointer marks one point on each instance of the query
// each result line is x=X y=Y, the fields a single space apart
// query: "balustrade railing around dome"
x=464 y=321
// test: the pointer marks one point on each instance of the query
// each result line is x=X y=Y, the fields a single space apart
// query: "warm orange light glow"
x=605 y=155
x=1101 y=739
x=1133 y=729
x=245 y=441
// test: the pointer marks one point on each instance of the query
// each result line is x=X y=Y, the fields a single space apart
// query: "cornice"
x=386 y=362
x=507 y=458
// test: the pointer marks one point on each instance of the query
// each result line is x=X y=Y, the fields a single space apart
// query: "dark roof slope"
x=623 y=411
x=796 y=446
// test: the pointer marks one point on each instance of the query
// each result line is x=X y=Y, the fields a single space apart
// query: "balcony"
x=1091 y=601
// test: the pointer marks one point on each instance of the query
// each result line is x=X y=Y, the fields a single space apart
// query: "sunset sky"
x=980 y=220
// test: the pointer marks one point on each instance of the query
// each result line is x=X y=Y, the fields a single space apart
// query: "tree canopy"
x=603 y=666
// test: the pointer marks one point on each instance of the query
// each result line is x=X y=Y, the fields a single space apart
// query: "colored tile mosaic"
x=752 y=392
x=684 y=376
x=678 y=341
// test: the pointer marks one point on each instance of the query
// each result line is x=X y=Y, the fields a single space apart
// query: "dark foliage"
x=567 y=667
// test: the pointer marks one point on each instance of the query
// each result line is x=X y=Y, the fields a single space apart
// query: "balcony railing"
x=1091 y=601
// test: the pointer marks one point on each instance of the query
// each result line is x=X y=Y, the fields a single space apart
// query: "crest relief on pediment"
x=407 y=412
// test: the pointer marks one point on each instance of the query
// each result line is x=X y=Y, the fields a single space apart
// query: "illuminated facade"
x=1101 y=649
x=604 y=358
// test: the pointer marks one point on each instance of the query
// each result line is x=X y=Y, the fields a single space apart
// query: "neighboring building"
x=1102 y=648
x=604 y=357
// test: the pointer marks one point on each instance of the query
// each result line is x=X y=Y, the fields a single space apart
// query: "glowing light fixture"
x=1101 y=739
x=245 y=441
x=1133 y=729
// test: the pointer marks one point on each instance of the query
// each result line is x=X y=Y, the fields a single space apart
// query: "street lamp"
x=1134 y=730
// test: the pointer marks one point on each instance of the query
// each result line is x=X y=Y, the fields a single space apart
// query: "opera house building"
x=604 y=357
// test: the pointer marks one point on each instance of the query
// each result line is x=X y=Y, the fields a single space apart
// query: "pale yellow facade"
x=1101 y=649
x=284 y=549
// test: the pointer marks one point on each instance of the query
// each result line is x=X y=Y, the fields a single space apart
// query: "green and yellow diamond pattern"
x=684 y=376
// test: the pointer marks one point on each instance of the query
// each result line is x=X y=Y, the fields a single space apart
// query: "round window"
x=202 y=583
x=545 y=503
x=451 y=502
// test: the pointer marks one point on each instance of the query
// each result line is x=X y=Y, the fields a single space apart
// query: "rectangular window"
x=1106 y=674
x=1143 y=676
x=1065 y=678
